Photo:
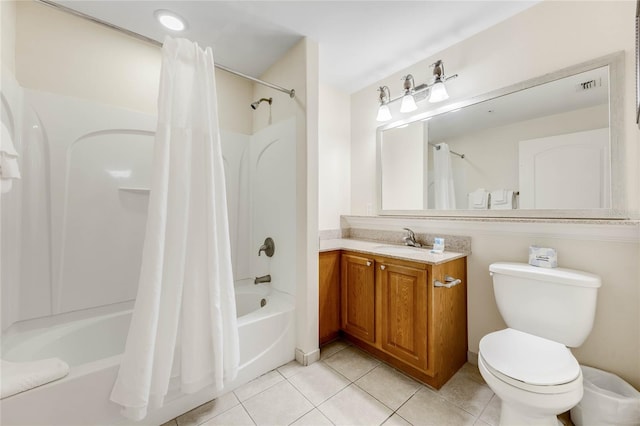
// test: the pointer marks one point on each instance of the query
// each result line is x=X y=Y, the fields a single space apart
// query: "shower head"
x=255 y=104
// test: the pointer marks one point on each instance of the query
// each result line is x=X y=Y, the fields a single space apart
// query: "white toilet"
x=528 y=365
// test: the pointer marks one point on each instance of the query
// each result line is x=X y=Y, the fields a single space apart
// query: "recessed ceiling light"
x=170 y=20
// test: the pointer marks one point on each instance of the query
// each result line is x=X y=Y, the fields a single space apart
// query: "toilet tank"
x=555 y=303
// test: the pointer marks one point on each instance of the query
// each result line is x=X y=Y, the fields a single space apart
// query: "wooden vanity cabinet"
x=403 y=311
x=358 y=296
x=391 y=308
x=329 y=296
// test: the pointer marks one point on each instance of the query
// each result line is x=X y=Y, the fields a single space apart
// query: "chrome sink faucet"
x=410 y=239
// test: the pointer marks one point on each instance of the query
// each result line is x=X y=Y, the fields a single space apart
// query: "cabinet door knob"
x=383 y=267
x=368 y=263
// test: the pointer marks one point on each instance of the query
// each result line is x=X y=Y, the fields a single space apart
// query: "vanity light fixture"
x=438 y=89
x=170 y=20
x=384 y=114
x=408 y=103
x=435 y=92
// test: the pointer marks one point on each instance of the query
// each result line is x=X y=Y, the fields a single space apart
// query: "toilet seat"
x=529 y=362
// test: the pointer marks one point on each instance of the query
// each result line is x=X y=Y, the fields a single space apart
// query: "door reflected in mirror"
x=545 y=147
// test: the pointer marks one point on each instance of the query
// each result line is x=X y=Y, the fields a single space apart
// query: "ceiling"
x=360 y=42
x=555 y=97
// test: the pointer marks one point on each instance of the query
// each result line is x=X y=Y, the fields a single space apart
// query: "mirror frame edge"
x=618 y=209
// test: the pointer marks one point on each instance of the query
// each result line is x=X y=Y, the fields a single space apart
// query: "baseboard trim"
x=307 y=358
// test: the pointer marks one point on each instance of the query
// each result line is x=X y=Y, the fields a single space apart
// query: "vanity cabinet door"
x=358 y=296
x=404 y=312
x=329 y=296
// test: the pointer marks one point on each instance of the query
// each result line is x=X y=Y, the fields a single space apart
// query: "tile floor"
x=349 y=387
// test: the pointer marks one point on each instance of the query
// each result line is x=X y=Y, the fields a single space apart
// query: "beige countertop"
x=422 y=255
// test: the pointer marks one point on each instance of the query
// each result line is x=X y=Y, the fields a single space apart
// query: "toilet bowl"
x=529 y=365
x=536 y=379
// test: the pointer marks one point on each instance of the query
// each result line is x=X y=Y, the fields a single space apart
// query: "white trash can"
x=607 y=400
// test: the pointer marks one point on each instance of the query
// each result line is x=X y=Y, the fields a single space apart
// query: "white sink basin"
x=399 y=249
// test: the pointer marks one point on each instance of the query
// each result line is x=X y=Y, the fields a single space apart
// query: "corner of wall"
x=334 y=156
x=298 y=70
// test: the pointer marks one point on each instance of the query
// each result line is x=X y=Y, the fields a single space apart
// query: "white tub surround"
x=92 y=346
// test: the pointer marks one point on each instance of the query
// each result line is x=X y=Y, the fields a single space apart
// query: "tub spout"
x=263 y=279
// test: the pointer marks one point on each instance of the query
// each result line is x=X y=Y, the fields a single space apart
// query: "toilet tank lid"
x=556 y=275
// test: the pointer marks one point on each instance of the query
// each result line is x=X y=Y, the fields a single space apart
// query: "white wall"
x=403 y=162
x=545 y=38
x=491 y=155
x=61 y=53
x=334 y=157
x=8 y=34
x=298 y=69
x=532 y=43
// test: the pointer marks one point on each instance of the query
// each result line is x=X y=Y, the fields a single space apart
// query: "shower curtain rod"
x=50 y=3
x=450 y=152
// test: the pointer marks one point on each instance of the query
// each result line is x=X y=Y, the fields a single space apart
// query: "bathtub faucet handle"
x=262 y=279
x=268 y=247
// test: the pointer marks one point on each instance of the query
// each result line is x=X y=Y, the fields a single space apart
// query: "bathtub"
x=92 y=342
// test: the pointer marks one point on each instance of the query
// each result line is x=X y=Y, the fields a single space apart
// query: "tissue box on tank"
x=543 y=256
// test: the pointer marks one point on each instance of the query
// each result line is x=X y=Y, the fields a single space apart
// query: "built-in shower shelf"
x=134 y=190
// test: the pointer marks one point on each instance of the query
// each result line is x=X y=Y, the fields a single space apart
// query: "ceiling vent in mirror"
x=587 y=85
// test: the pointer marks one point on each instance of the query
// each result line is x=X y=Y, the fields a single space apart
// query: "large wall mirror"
x=548 y=147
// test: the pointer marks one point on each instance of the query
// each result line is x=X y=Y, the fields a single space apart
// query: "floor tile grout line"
x=339 y=350
x=248 y=414
x=404 y=403
x=455 y=404
x=486 y=406
x=211 y=418
x=324 y=400
x=314 y=406
x=267 y=388
x=392 y=410
x=304 y=414
x=351 y=381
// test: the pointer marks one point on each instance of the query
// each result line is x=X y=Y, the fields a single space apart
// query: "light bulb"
x=438 y=92
x=383 y=113
x=408 y=103
x=170 y=20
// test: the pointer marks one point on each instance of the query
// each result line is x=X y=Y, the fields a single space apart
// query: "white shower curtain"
x=445 y=194
x=185 y=307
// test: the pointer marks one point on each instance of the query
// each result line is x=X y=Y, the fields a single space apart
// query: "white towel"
x=502 y=199
x=21 y=376
x=8 y=160
x=478 y=199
